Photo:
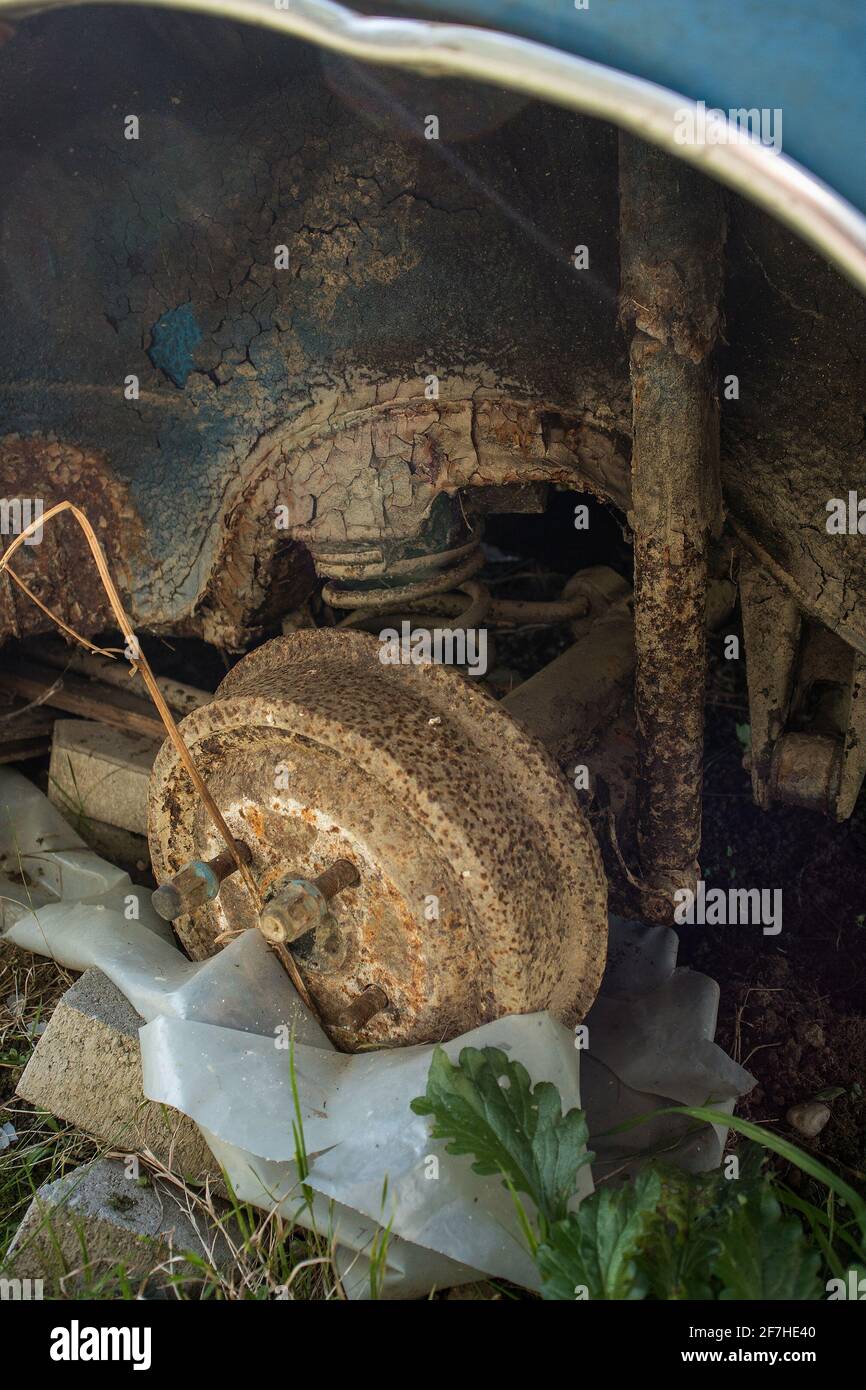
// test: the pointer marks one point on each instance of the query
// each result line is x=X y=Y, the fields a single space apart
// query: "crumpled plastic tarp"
x=214 y=1047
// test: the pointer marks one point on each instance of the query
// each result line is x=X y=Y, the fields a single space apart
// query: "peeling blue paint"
x=174 y=338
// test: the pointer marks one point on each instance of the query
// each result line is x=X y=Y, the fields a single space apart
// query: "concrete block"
x=86 y=1069
x=101 y=774
x=95 y=1222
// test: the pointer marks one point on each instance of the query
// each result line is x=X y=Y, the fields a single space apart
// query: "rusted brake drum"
x=481 y=888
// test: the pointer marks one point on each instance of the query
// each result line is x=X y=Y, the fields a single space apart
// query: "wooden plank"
x=25 y=731
x=19 y=752
x=119 y=708
x=19 y=720
x=181 y=698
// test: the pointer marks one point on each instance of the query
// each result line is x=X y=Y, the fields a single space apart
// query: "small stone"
x=813 y=1034
x=809 y=1117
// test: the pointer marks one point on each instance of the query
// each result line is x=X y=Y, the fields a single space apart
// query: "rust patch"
x=60 y=569
x=255 y=820
x=672 y=236
x=672 y=231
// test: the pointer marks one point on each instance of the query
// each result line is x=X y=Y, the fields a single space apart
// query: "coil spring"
x=445 y=594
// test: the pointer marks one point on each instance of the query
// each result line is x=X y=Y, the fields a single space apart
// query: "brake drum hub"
x=481 y=888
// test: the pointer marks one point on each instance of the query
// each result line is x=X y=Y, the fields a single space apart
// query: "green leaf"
x=763 y=1255
x=487 y=1106
x=662 y=1235
x=598 y=1247
x=679 y=1257
x=784 y=1148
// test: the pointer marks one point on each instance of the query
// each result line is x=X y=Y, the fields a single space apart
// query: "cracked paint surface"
x=175 y=336
x=406 y=257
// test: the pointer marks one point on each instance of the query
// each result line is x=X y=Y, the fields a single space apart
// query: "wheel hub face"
x=481 y=889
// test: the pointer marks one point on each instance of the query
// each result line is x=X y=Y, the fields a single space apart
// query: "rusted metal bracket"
x=807 y=702
x=672 y=231
x=771 y=629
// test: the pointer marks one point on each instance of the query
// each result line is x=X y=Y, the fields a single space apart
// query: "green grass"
x=44 y=1148
x=270 y=1257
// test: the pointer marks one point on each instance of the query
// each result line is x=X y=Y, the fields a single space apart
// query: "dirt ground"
x=793 y=1006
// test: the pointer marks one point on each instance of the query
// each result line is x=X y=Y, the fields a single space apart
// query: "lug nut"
x=198 y=882
x=302 y=906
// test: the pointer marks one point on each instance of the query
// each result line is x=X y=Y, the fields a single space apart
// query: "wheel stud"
x=198 y=882
x=370 y=1002
x=302 y=906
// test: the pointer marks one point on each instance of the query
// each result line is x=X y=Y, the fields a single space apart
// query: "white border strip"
x=776 y=183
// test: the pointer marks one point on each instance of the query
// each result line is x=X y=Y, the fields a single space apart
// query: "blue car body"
x=804 y=59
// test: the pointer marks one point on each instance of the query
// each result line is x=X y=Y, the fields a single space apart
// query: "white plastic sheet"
x=213 y=1047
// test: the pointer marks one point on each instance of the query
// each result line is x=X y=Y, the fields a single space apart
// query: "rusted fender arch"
x=366 y=471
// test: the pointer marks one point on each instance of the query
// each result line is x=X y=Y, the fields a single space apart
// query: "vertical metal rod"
x=671 y=238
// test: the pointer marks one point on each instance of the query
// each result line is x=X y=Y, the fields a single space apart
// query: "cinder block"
x=86 y=1069
x=81 y=1231
x=101 y=774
